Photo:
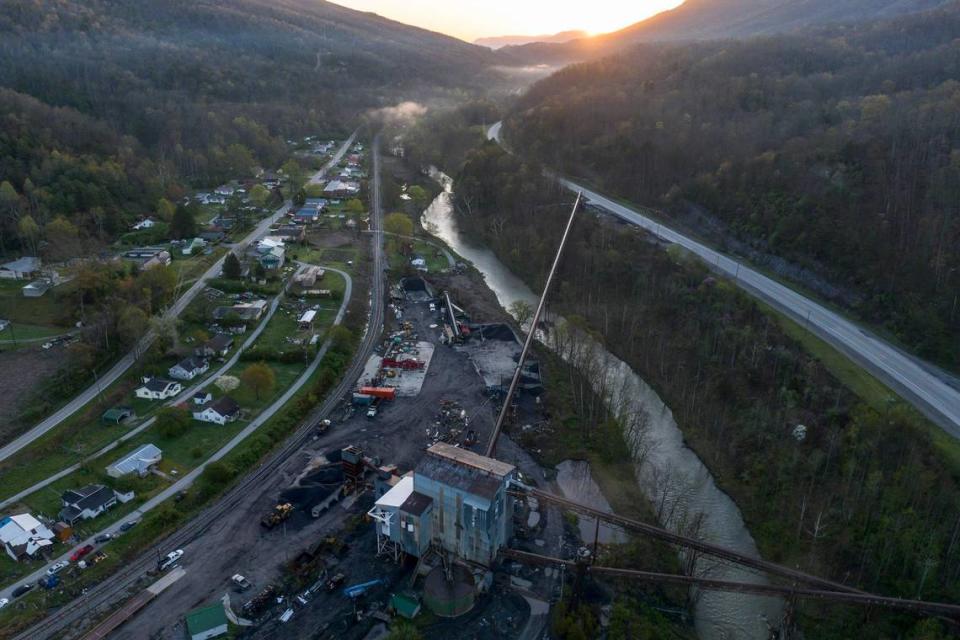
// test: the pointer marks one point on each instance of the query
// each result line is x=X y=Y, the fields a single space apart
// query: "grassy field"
x=436 y=261
x=17 y=332
x=46 y=311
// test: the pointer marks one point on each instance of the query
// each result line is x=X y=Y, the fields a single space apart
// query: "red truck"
x=384 y=393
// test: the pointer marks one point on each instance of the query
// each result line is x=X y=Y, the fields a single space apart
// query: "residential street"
x=187 y=480
x=127 y=361
x=920 y=383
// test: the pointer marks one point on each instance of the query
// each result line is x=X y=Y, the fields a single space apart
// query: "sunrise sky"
x=471 y=19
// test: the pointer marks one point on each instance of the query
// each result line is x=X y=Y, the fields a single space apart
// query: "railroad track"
x=84 y=610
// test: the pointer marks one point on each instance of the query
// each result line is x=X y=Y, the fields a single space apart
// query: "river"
x=673 y=478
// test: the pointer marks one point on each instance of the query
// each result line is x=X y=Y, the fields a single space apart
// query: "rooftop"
x=470 y=472
x=206 y=619
x=24 y=264
x=416 y=504
x=471 y=459
x=398 y=494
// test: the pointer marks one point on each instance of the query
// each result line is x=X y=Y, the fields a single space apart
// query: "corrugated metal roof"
x=416 y=504
x=471 y=459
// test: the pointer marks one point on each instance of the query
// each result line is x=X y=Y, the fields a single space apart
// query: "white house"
x=190 y=246
x=89 y=502
x=201 y=398
x=146 y=223
x=189 y=368
x=158 y=389
x=220 y=412
x=138 y=462
x=22 y=536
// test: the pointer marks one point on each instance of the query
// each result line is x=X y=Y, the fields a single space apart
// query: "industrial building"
x=456 y=501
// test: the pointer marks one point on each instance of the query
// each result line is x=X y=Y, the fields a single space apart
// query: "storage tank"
x=450 y=598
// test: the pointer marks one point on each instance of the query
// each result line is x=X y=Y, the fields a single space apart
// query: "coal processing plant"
x=454 y=514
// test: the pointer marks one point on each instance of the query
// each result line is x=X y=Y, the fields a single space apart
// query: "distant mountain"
x=109 y=105
x=718 y=19
x=498 y=42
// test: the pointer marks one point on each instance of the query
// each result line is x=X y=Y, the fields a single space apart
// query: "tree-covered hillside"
x=838 y=150
x=717 y=19
x=108 y=105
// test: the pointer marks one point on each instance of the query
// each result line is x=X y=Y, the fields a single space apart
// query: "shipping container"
x=385 y=393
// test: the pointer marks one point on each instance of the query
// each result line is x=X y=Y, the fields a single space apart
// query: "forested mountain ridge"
x=720 y=19
x=172 y=93
x=838 y=149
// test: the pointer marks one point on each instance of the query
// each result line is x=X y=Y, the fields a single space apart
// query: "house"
x=246 y=311
x=148 y=257
x=270 y=180
x=267 y=244
x=213 y=236
x=273 y=259
x=306 y=215
x=21 y=269
x=23 y=536
x=117 y=415
x=291 y=233
x=419 y=264
x=158 y=389
x=225 y=190
x=201 y=398
x=341 y=189
x=37 y=288
x=219 y=412
x=190 y=246
x=306 y=320
x=224 y=221
x=189 y=368
x=208 y=622
x=309 y=276
x=146 y=223
x=218 y=345
x=138 y=462
x=88 y=502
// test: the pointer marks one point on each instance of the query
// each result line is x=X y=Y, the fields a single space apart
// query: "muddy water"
x=576 y=483
x=674 y=479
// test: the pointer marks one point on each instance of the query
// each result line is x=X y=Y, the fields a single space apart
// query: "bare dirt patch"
x=20 y=372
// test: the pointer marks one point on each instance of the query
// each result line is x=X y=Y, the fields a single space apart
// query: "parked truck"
x=362 y=400
x=279 y=513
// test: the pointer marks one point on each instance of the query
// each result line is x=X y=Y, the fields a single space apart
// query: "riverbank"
x=674 y=480
x=818 y=475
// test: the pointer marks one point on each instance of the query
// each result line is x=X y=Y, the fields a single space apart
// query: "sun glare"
x=470 y=19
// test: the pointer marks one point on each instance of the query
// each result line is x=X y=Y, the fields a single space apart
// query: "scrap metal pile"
x=451 y=425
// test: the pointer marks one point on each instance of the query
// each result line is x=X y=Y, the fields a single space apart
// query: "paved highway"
x=918 y=382
x=127 y=361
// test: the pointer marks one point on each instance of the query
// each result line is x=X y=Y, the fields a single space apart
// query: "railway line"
x=83 y=611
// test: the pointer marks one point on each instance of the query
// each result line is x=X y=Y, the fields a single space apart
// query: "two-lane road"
x=918 y=382
x=175 y=310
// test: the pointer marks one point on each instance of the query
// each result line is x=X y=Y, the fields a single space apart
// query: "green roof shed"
x=406 y=604
x=207 y=622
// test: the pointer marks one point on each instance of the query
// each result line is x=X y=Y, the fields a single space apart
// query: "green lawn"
x=48 y=310
x=17 y=331
x=436 y=260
